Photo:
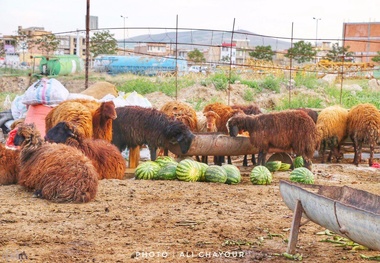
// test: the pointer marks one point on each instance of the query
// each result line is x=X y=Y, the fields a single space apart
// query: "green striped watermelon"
x=298 y=162
x=302 y=175
x=273 y=166
x=203 y=168
x=147 y=170
x=188 y=170
x=215 y=174
x=260 y=175
x=167 y=172
x=285 y=167
x=233 y=174
x=163 y=160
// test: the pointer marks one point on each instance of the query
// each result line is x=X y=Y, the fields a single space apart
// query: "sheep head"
x=211 y=119
x=61 y=132
x=178 y=132
x=27 y=135
x=107 y=110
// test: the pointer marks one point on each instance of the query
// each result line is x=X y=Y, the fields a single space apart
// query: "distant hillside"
x=205 y=38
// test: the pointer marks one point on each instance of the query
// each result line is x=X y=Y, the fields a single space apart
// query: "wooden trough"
x=348 y=212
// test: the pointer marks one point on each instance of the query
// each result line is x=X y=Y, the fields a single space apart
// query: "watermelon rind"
x=167 y=172
x=273 y=166
x=215 y=174
x=260 y=175
x=188 y=170
x=146 y=170
x=233 y=174
x=285 y=167
x=302 y=175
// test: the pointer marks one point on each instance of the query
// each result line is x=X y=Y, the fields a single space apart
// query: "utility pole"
x=124 y=17
x=316 y=31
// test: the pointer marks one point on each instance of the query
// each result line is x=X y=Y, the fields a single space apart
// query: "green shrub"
x=271 y=83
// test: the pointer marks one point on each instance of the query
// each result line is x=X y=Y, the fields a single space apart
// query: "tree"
x=262 y=52
x=377 y=57
x=46 y=43
x=301 y=52
x=337 y=53
x=103 y=43
x=196 y=56
x=2 y=49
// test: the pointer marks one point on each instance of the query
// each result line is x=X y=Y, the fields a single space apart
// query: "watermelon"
x=203 y=168
x=188 y=170
x=261 y=175
x=233 y=174
x=302 y=175
x=285 y=167
x=273 y=166
x=167 y=172
x=298 y=162
x=163 y=160
x=147 y=170
x=215 y=174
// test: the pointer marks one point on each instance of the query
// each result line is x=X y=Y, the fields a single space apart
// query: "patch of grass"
x=308 y=80
x=299 y=101
x=253 y=84
x=271 y=83
x=248 y=95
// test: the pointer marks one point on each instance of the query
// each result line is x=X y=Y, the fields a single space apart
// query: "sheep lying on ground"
x=9 y=165
x=290 y=130
x=363 y=127
x=136 y=126
x=332 y=130
x=56 y=172
x=106 y=158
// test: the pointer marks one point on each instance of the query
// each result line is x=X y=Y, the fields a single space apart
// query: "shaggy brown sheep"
x=9 y=165
x=56 y=172
x=332 y=130
x=106 y=158
x=182 y=112
x=290 y=130
x=363 y=127
x=136 y=126
x=312 y=113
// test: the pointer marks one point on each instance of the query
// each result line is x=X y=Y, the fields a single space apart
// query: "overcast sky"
x=265 y=17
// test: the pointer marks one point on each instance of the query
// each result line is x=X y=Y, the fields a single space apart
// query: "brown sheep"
x=56 y=172
x=106 y=158
x=93 y=119
x=312 y=113
x=290 y=130
x=182 y=112
x=9 y=165
x=225 y=112
x=332 y=130
x=363 y=127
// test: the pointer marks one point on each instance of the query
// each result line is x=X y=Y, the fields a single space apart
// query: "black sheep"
x=136 y=126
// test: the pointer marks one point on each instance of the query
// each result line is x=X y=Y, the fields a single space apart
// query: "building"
x=363 y=39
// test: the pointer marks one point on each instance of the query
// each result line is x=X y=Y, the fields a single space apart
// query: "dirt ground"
x=173 y=221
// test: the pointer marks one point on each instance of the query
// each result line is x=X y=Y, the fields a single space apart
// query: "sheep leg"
x=356 y=151
x=153 y=153
x=245 y=160
x=261 y=158
x=229 y=160
x=134 y=157
x=205 y=159
x=371 y=150
x=253 y=159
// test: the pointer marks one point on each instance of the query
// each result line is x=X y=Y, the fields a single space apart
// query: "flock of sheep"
x=84 y=139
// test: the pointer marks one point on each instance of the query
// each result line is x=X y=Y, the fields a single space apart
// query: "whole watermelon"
x=261 y=175
x=233 y=174
x=163 y=160
x=273 y=166
x=167 y=172
x=215 y=174
x=147 y=170
x=298 y=162
x=202 y=167
x=302 y=175
x=188 y=170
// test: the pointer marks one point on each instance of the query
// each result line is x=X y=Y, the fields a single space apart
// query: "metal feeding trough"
x=218 y=144
x=349 y=212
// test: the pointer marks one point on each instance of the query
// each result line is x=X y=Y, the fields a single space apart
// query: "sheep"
x=332 y=130
x=106 y=158
x=363 y=127
x=136 y=126
x=9 y=165
x=225 y=112
x=56 y=172
x=312 y=113
x=182 y=112
x=93 y=119
x=251 y=109
x=285 y=130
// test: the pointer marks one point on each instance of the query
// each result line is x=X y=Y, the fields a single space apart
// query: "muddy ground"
x=173 y=221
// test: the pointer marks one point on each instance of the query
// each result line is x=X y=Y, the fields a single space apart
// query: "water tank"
x=60 y=65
